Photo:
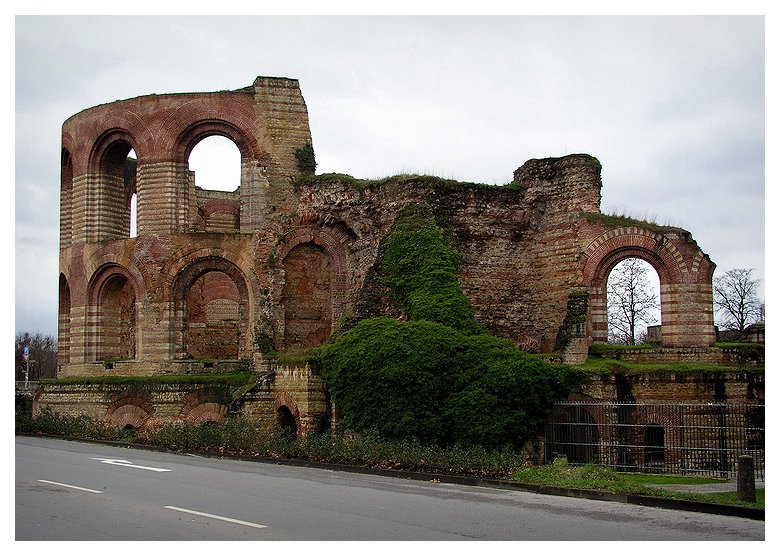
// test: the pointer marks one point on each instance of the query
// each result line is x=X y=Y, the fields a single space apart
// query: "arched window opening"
x=63 y=344
x=131 y=173
x=654 y=444
x=285 y=420
x=216 y=164
x=116 y=187
x=213 y=320
x=66 y=200
x=633 y=303
x=117 y=320
x=307 y=296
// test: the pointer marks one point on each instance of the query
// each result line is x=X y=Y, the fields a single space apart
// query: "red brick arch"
x=609 y=249
x=684 y=272
x=332 y=247
x=130 y=408
x=285 y=400
x=198 y=131
x=188 y=270
x=109 y=334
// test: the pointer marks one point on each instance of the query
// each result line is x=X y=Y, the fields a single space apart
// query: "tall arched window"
x=63 y=343
x=131 y=173
x=117 y=319
x=633 y=302
x=115 y=189
x=307 y=296
x=66 y=200
x=213 y=321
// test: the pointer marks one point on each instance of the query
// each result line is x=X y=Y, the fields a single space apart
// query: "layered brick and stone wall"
x=298 y=390
x=214 y=278
x=295 y=256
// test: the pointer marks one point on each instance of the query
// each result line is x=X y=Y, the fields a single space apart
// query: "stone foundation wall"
x=300 y=389
x=700 y=387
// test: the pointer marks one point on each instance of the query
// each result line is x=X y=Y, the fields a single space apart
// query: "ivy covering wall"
x=436 y=376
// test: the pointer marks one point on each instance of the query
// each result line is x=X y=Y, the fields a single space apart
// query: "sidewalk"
x=730 y=486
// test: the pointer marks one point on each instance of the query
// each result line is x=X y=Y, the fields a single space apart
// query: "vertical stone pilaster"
x=687 y=315
x=254 y=193
x=163 y=198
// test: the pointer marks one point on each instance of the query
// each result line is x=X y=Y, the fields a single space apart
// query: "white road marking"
x=222 y=518
x=70 y=486
x=125 y=463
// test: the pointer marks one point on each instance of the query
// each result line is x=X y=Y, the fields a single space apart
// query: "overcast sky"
x=673 y=107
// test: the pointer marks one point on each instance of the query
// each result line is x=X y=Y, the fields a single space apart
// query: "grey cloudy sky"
x=673 y=107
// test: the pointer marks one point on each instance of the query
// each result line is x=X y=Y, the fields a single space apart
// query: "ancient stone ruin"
x=215 y=280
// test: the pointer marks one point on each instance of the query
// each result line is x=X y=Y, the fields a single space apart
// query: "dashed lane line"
x=70 y=486
x=219 y=517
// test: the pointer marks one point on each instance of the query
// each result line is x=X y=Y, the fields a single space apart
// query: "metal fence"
x=673 y=438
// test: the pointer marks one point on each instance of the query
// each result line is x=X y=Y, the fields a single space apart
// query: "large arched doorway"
x=633 y=302
x=116 y=319
x=307 y=296
x=210 y=310
x=213 y=320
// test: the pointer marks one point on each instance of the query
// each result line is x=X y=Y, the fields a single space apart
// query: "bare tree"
x=43 y=355
x=735 y=296
x=631 y=301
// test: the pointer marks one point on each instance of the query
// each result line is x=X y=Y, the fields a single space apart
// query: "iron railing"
x=673 y=438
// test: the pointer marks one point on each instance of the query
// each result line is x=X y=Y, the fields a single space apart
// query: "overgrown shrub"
x=426 y=381
x=390 y=376
x=305 y=159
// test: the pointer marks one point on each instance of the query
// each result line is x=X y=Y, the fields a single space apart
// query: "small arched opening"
x=286 y=422
x=575 y=435
x=654 y=445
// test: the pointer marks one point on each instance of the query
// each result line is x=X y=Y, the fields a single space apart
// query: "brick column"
x=686 y=310
x=163 y=198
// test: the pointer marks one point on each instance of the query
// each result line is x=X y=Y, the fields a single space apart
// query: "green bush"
x=389 y=376
x=304 y=156
x=426 y=381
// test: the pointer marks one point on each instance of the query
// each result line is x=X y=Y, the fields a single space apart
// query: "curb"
x=634 y=499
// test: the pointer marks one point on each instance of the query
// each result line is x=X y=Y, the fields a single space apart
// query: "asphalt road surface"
x=79 y=491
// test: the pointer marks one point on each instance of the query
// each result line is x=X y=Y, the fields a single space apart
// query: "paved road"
x=79 y=491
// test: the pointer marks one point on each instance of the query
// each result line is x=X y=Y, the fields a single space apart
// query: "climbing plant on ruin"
x=438 y=376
